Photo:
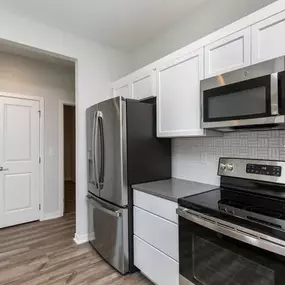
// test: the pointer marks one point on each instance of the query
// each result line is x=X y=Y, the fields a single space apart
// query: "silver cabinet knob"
x=223 y=166
x=230 y=167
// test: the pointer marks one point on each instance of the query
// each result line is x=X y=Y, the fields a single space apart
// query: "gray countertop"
x=173 y=189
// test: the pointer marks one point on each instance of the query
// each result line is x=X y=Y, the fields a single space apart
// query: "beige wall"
x=33 y=77
x=69 y=143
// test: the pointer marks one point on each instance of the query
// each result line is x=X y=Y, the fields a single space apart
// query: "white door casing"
x=19 y=157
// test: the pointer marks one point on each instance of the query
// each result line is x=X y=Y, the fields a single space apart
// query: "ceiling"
x=123 y=24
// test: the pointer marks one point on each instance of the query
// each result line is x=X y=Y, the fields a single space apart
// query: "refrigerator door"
x=92 y=132
x=112 y=151
x=108 y=228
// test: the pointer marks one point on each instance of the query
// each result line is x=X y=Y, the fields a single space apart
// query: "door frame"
x=62 y=103
x=41 y=142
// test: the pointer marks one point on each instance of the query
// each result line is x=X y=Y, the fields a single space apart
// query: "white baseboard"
x=51 y=216
x=80 y=239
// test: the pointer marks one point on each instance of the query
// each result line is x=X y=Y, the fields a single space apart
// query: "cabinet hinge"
x=40 y=113
x=40 y=160
x=40 y=206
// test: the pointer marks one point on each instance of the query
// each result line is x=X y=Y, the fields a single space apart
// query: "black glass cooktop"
x=227 y=204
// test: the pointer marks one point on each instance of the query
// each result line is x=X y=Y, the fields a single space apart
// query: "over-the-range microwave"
x=249 y=98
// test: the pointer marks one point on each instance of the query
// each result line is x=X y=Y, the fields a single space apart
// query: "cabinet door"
x=122 y=88
x=268 y=39
x=178 y=94
x=227 y=54
x=143 y=84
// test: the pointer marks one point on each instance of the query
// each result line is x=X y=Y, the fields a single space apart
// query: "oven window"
x=242 y=103
x=214 y=265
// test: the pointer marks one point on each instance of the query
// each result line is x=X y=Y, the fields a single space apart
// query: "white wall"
x=96 y=68
x=52 y=82
x=205 y=19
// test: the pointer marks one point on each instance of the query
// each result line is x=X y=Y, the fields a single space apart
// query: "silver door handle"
x=92 y=178
x=4 y=169
x=96 y=170
x=102 y=151
x=109 y=212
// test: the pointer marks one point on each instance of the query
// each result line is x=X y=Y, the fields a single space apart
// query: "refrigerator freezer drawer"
x=109 y=224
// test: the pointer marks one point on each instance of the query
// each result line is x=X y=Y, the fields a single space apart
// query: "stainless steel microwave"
x=248 y=98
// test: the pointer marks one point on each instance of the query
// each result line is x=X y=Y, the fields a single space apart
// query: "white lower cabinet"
x=156 y=251
x=158 y=267
x=160 y=233
x=156 y=205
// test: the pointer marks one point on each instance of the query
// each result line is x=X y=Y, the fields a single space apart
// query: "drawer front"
x=155 y=265
x=158 y=206
x=160 y=233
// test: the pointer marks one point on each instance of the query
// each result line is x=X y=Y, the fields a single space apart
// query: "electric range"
x=235 y=234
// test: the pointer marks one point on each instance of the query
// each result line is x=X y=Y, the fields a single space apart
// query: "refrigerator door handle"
x=102 y=149
x=105 y=210
x=95 y=146
x=92 y=178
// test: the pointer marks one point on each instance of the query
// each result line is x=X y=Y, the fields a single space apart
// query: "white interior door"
x=19 y=159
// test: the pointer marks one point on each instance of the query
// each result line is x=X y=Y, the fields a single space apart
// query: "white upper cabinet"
x=268 y=39
x=138 y=85
x=227 y=54
x=122 y=88
x=178 y=95
x=143 y=84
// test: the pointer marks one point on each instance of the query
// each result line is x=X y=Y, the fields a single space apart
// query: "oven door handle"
x=237 y=232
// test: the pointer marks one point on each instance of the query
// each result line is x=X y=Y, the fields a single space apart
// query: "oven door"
x=214 y=252
x=245 y=103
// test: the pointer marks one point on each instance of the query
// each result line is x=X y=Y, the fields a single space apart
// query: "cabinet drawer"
x=158 y=206
x=160 y=233
x=158 y=267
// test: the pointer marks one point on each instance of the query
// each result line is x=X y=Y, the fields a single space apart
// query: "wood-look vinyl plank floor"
x=44 y=253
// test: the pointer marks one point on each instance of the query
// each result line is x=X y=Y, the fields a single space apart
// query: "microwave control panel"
x=264 y=169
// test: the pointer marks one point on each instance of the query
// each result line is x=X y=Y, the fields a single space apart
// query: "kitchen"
x=221 y=235
x=168 y=217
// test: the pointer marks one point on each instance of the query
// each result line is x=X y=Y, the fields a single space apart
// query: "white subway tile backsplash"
x=197 y=158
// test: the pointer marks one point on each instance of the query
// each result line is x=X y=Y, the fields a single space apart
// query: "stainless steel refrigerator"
x=122 y=150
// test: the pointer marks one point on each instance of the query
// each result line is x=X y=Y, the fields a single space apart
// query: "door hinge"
x=40 y=113
x=40 y=160
x=40 y=206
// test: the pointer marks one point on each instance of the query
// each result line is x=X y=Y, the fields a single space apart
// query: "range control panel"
x=253 y=169
x=264 y=169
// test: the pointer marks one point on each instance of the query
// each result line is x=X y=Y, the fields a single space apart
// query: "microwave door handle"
x=274 y=94
x=96 y=169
